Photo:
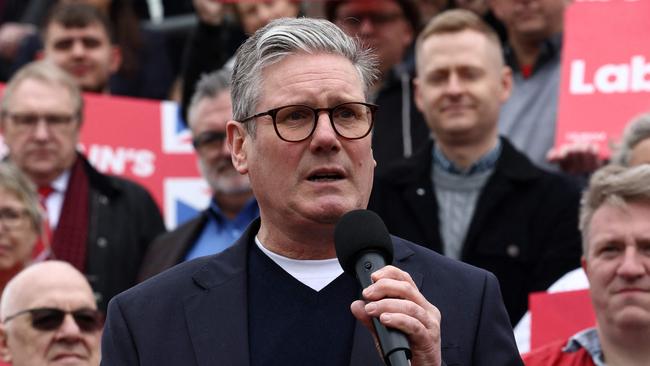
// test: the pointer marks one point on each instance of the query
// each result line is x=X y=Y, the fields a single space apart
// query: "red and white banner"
x=605 y=77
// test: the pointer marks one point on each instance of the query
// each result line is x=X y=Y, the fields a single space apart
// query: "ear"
x=506 y=83
x=583 y=264
x=238 y=140
x=417 y=94
x=39 y=55
x=5 y=355
x=116 y=58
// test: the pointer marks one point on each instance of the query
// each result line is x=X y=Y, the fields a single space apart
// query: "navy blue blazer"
x=196 y=313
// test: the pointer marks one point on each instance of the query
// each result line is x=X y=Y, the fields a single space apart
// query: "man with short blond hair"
x=616 y=259
x=469 y=193
x=49 y=316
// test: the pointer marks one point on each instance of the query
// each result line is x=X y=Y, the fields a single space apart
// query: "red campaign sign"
x=559 y=315
x=605 y=78
x=145 y=141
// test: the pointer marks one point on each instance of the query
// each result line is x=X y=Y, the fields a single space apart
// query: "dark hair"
x=408 y=8
x=78 y=15
x=128 y=35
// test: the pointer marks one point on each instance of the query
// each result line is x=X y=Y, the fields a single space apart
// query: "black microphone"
x=363 y=246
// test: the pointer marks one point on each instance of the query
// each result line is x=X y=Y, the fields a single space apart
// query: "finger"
x=359 y=312
x=392 y=272
x=425 y=315
x=390 y=288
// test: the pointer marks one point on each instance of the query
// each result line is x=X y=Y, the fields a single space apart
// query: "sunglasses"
x=47 y=319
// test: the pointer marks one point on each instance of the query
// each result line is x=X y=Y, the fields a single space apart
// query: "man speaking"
x=301 y=131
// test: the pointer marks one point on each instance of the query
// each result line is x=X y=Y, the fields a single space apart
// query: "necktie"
x=43 y=244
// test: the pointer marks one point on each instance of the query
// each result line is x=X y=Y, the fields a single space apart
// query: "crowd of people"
x=439 y=116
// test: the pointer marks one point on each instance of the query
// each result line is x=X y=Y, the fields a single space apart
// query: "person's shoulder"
x=406 y=170
x=518 y=167
x=189 y=227
x=112 y=185
x=173 y=283
x=552 y=354
x=432 y=263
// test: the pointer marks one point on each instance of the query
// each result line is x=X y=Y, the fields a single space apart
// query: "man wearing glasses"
x=301 y=131
x=49 y=316
x=102 y=225
x=232 y=206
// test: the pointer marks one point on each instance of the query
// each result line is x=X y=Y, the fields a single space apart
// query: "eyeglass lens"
x=30 y=120
x=350 y=120
x=46 y=319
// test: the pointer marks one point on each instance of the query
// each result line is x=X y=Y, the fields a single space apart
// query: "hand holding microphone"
x=392 y=300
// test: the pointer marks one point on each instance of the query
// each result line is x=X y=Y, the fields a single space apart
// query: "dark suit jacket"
x=524 y=228
x=196 y=313
x=124 y=220
x=170 y=248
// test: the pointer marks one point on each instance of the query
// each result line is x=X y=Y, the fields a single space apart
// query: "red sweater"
x=552 y=355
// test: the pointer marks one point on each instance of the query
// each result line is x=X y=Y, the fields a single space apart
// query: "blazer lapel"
x=217 y=316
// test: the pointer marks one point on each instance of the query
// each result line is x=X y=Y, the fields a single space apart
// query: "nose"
x=77 y=48
x=324 y=137
x=41 y=131
x=454 y=85
x=633 y=264
x=69 y=329
x=365 y=25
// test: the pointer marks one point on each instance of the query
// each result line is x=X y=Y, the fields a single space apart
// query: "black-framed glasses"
x=213 y=139
x=12 y=218
x=48 y=319
x=295 y=123
x=27 y=121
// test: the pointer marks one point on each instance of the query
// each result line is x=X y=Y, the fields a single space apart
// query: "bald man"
x=49 y=317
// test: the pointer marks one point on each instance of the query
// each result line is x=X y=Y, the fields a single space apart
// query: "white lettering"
x=144 y=163
x=577 y=84
x=116 y=160
x=633 y=77
x=612 y=79
x=640 y=74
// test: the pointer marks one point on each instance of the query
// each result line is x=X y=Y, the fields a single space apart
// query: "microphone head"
x=358 y=232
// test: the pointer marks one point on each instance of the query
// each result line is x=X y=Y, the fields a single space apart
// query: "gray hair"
x=284 y=37
x=614 y=185
x=15 y=182
x=637 y=130
x=46 y=72
x=209 y=86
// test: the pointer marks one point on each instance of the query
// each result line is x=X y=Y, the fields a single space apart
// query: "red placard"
x=559 y=315
x=605 y=77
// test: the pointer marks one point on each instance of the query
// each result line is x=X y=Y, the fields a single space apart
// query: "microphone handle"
x=394 y=345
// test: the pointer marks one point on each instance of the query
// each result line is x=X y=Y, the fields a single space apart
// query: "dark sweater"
x=292 y=324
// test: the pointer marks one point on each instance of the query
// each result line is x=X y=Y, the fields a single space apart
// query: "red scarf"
x=71 y=233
